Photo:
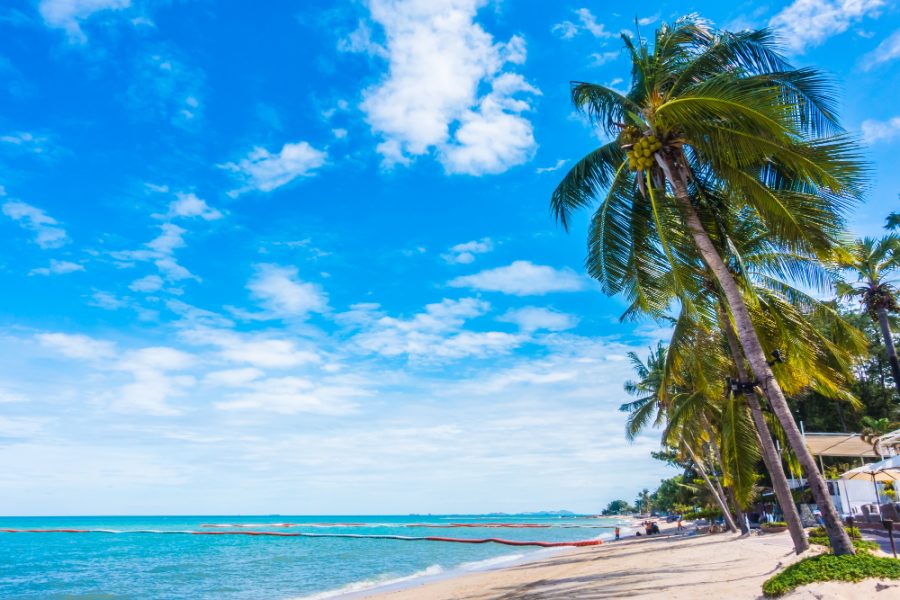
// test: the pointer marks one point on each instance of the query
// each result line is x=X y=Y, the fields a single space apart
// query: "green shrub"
x=853 y=532
x=710 y=513
x=828 y=567
x=775 y=524
x=819 y=537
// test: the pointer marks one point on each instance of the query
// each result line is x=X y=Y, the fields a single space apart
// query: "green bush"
x=864 y=545
x=711 y=513
x=774 y=524
x=828 y=567
x=853 y=532
x=819 y=537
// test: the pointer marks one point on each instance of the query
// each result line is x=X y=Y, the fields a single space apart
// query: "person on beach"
x=680 y=526
x=617 y=533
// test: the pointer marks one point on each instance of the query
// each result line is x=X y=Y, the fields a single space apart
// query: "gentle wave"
x=369 y=584
x=489 y=563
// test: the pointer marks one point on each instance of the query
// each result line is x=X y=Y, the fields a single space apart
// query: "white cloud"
x=57 y=267
x=649 y=20
x=887 y=50
x=880 y=131
x=264 y=171
x=47 y=232
x=171 y=238
x=160 y=251
x=106 y=301
x=233 y=377
x=282 y=294
x=7 y=397
x=601 y=58
x=77 y=346
x=361 y=40
x=438 y=58
x=292 y=395
x=522 y=278
x=586 y=22
x=808 y=23
x=555 y=167
x=68 y=14
x=532 y=318
x=26 y=142
x=152 y=386
x=435 y=335
x=188 y=205
x=150 y=283
x=250 y=349
x=166 y=88
x=463 y=254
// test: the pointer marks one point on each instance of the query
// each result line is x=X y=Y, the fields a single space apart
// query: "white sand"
x=704 y=567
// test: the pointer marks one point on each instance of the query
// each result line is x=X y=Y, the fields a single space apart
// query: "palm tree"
x=643 y=501
x=892 y=221
x=712 y=119
x=657 y=403
x=874 y=429
x=874 y=261
x=650 y=402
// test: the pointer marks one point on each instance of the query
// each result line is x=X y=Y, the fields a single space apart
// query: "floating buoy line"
x=403 y=538
x=414 y=525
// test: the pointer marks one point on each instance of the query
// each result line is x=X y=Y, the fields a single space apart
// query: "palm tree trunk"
x=889 y=345
x=738 y=513
x=770 y=455
x=756 y=356
x=715 y=457
x=729 y=521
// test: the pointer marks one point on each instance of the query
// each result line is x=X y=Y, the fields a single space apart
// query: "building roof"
x=839 y=444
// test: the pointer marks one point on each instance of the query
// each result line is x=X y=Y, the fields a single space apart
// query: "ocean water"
x=146 y=557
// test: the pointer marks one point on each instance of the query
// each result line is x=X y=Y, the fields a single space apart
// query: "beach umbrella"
x=883 y=471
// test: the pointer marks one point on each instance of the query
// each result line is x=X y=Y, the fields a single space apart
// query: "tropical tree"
x=657 y=403
x=617 y=507
x=892 y=221
x=873 y=429
x=874 y=261
x=644 y=502
x=714 y=121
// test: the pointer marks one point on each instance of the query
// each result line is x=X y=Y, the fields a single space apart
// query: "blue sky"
x=298 y=258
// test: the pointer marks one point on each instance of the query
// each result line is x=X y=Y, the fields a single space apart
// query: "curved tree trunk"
x=729 y=521
x=756 y=356
x=889 y=344
x=738 y=513
x=770 y=455
x=714 y=457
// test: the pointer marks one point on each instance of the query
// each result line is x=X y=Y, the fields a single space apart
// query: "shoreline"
x=424 y=578
x=670 y=565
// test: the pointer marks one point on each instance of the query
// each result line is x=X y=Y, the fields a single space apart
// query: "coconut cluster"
x=640 y=157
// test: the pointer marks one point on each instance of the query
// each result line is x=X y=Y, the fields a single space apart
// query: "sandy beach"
x=668 y=566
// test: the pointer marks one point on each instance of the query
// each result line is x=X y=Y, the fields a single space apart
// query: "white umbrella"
x=885 y=471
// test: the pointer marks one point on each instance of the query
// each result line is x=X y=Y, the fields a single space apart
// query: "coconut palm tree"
x=654 y=405
x=643 y=501
x=892 y=221
x=874 y=429
x=874 y=262
x=714 y=117
x=650 y=403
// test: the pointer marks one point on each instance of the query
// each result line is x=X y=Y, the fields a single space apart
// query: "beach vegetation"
x=829 y=567
x=718 y=129
x=874 y=262
x=618 y=507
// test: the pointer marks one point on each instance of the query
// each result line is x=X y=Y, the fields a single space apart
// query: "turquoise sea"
x=142 y=557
